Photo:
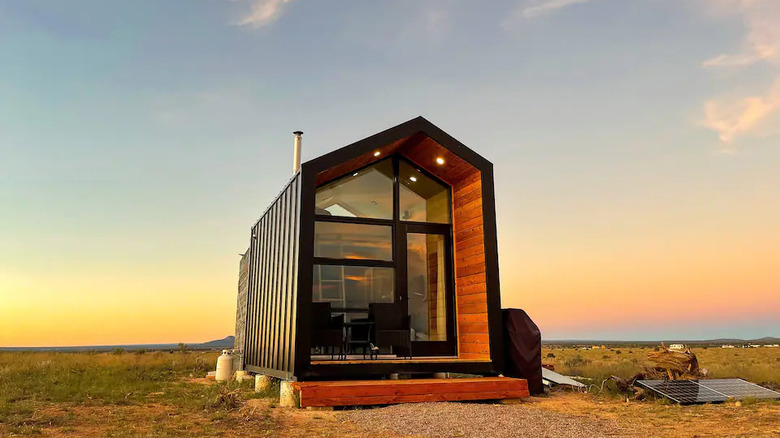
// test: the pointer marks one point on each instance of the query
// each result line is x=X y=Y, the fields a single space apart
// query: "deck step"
x=381 y=392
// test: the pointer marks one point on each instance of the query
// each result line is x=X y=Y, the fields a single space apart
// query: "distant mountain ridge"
x=764 y=340
x=226 y=342
x=217 y=344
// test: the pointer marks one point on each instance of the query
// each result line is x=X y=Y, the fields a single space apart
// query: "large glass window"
x=371 y=210
x=353 y=287
x=336 y=240
x=366 y=193
x=423 y=199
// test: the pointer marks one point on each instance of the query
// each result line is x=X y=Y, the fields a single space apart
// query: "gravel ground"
x=478 y=420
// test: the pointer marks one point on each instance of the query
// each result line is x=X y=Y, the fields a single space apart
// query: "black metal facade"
x=272 y=301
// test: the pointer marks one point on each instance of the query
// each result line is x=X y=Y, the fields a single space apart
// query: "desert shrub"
x=606 y=356
x=576 y=361
x=618 y=352
x=118 y=351
x=227 y=399
x=749 y=401
x=550 y=356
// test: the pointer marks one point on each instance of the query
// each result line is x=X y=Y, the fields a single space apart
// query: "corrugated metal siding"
x=273 y=289
x=243 y=287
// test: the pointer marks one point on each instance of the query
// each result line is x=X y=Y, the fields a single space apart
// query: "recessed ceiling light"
x=440 y=161
x=377 y=153
x=412 y=178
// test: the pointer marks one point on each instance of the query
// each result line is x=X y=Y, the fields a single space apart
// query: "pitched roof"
x=417 y=139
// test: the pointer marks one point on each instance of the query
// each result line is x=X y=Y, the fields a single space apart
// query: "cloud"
x=542 y=7
x=262 y=12
x=734 y=117
x=762 y=40
x=732 y=60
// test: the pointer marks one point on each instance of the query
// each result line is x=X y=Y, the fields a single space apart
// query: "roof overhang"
x=418 y=140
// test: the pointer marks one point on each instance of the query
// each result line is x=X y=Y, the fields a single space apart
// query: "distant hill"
x=767 y=340
x=719 y=341
x=218 y=344
x=226 y=342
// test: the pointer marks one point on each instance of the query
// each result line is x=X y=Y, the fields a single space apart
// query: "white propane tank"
x=224 y=367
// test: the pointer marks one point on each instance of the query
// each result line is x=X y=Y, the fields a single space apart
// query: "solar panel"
x=683 y=391
x=707 y=391
x=738 y=388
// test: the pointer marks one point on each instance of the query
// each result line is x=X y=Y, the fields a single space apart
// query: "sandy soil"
x=615 y=417
x=261 y=417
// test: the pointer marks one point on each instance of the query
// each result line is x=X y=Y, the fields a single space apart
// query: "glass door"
x=428 y=295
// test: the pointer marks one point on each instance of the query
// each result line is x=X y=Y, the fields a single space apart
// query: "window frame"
x=396 y=197
x=400 y=228
x=394 y=223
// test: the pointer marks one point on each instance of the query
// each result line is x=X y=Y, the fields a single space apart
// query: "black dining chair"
x=391 y=327
x=359 y=335
x=327 y=331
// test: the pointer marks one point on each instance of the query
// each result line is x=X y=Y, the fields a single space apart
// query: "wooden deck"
x=381 y=392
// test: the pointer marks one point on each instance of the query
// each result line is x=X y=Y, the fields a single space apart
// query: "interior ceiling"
x=364 y=194
x=422 y=186
x=418 y=148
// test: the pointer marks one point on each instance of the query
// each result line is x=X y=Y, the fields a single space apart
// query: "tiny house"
x=377 y=258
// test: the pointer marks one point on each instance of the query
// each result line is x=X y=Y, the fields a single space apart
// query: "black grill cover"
x=522 y=348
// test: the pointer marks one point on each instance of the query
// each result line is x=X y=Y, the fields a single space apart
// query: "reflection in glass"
x=426 y=282
x=353 y=241
x=353 y=287
x=422 y=198
x=365 y=193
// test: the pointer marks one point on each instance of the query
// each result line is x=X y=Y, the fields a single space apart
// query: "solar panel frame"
x=687 y=392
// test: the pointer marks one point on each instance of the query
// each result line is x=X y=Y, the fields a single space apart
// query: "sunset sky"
x=636 y=146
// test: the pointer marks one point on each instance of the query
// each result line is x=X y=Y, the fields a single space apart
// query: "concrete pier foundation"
x=288 y=397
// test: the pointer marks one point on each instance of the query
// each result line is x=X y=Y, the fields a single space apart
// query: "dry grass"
x=142 y=395
x=40 y=390
x=759 y=365
x=164 y=395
